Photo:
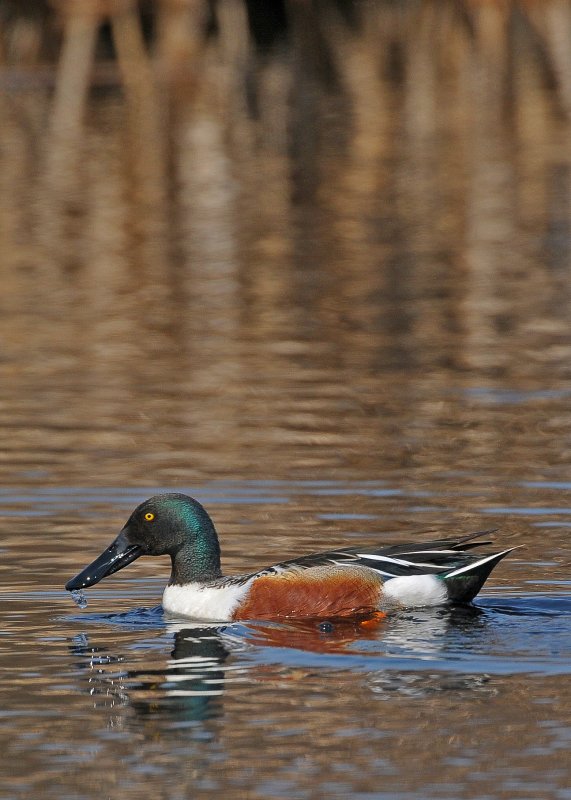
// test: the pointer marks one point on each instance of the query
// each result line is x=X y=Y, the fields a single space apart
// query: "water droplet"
x=79 y=598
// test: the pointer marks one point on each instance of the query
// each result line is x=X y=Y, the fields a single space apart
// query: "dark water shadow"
x=141 y=618
x=531 y=605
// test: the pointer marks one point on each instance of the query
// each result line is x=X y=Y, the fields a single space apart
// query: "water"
x=79 y=598
x=321 y=283
x=119 y=698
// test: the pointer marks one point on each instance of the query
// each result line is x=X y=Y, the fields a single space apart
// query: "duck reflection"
x=205 y=658
x=318 y=636
x=190 y=686
x=420 y=633
x=428 y=633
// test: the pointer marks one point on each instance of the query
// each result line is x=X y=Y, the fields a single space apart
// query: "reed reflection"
x=232 y=249
x=148 y=211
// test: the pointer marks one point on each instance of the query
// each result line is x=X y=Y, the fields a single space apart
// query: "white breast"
x=413 y=591
x=204 y=602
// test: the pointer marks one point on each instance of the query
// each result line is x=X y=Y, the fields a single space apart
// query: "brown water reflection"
x=313 y=268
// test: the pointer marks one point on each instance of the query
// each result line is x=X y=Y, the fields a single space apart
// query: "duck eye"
x=149 y=516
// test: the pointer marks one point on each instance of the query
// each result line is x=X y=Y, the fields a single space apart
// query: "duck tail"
x=464 y=583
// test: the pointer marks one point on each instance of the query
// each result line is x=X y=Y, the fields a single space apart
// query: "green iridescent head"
x=167 y=524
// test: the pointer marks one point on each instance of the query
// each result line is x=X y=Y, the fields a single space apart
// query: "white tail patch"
x=415 y=590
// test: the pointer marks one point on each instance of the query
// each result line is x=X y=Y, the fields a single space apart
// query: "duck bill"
x=118 y=555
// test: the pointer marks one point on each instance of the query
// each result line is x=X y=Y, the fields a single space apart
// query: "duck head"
x=166 y=524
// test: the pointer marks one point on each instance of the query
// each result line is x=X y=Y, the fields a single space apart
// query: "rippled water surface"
x=119 y=699
x=314 y=272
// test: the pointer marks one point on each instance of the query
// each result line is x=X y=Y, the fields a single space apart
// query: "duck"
x=351 y=582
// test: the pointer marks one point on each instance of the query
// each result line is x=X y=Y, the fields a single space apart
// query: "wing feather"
x=437 y=556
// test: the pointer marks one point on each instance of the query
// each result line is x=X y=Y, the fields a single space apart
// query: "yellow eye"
x=149 y=516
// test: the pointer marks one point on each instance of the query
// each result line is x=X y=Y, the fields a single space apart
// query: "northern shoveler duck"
x=348 y=582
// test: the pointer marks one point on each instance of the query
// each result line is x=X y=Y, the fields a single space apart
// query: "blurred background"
x=248 y=239
x=290 y=242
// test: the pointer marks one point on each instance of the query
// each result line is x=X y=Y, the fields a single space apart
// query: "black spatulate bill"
x=118 y=555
